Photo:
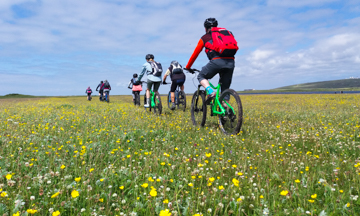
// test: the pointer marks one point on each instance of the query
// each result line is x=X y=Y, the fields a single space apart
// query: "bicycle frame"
x=216 y=102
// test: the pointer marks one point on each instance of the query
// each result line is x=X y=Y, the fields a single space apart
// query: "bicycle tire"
x=198 y=109
x=158 y=106
x=230 y=124
x=181 y=101
x=169 y=100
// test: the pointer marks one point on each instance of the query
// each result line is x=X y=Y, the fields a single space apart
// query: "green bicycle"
x=227 y=107
x=155 y=102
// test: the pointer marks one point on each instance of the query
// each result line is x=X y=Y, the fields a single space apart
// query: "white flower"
x=221 y=205
x=123 y=201
x=167 y=189
x=32 y=197
x=49 y=182
x=82 y=210
x=114 y=195
x=51 y=210
x=251 y=206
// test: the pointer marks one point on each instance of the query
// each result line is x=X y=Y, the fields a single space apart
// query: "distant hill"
x=17 y=96
x=334 y=84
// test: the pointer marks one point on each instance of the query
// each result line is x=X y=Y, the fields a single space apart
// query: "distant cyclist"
x=177 y=79
x=153 y=71
x=135 y=85
x=220 y=47
x=100 y=90
x=88 y=92
x=106 y=88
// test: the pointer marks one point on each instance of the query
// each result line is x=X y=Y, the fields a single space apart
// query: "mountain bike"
x=227 y=107
x=180 y=99
x=155 y=102
x=106 y=96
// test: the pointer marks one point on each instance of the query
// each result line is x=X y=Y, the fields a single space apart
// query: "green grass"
x=295 y=155
x=344 y=84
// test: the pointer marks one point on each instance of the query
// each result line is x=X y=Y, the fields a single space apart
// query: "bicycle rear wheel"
x=198 y=108
x=181 y=101
x=137 y=98
x=231 y=122
x=158 y=106
x=169 y=100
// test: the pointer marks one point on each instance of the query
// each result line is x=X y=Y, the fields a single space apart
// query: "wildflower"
x=166 y=201
x=209 y=184
x=55 y=195
x=63 y=166
x=221 y=187
x=284 y=193
x=190 y=184
x=236 y=182
x=101 y=180
x=239 y=199
x=240 y=173
x=348 y=205
x=297 y=181
x=165 y=212
x=341 y=191
x=32 y=198
x=314 y=196
x=77 y=179
x=31 y=211
x=162 y=163
x=16 y=214
x=211 y=179
x=208 y=154
x=8 y=176
x=145 y=185
x=261 y=196
x=3 y=194
x=57 y=213
x=151 y=179
x=101 y=200
x=92 y=169
x=121 y=187
x=234 y=166
x=153 y=193
x=74 y=193
x=171 y=180
x=312 y=201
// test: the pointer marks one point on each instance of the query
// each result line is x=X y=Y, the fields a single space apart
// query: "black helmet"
x=210 y=22
x=101 y=81
x=135 y=75
x=149 y=56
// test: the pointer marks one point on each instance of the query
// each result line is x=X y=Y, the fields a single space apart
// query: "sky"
x=60 y=47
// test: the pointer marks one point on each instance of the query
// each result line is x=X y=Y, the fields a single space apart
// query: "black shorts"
x=89 y=94
x=176 y=83
x=155 y=84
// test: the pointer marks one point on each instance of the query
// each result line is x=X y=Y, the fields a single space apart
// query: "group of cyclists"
x=218 y=51
x=104 y=91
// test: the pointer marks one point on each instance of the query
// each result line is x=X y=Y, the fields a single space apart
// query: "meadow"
x=295 y=155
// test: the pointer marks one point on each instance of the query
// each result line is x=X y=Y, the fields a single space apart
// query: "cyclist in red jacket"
x=217 y=64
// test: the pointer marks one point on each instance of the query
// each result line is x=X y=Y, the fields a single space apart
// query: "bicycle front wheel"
x=169 y=100
x=182 y=101
x=198 y=108
x=158 y=106
x=137 y=98
x=231 y=122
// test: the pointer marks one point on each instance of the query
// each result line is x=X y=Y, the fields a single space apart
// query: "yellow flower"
x=348 y=205
x=236 y=182
x=165 y=212
x=77 y=179
x=312 y=201
x=8 y=176
x=101 y=200
x=239 y=200
x=55 y=195
x=171 y=180
x=221 y=187
x=57 y=213
x=211 y=179
x=151 y=179
x=162 y=163
x=234 y=166
x=92 y=169
x=16 y=214
x=190 y=184
x=284 y=193
x=153 y=193
x=166 y=201
x=341 y=191
x=121 y=187
x=3 y=194
x=209 y=184
x=31 y=211
x=208 y=154
x=240 y=173
x=63 y=166
x=145 y=185
x=314 y=196
x=74 y=193
x=297 y=181
x=261 y=197
x=101 y=180
x=158 y=180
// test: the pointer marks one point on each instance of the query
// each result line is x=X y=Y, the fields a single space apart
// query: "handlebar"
x=192 y=70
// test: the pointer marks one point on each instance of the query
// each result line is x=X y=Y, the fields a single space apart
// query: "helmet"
x=176 y=63
x=149 y=56
x=210 y=22
x=105 y=81
x=135 y=75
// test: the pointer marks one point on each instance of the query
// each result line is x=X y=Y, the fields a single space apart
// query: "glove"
x=190 y=70
x=129 y=88
x=164 y=83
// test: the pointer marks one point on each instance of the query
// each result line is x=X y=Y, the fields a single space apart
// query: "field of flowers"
x=295 y=155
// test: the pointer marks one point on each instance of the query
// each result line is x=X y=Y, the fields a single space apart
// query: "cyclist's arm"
x=97 y=87
x=166 y=74
x=142 y=73
x=195 y=54
x=130 y=83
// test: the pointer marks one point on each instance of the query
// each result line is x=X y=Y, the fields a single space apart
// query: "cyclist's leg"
x=226 y=74
x=172 y=90
x=208 y=72
x=149 y=85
